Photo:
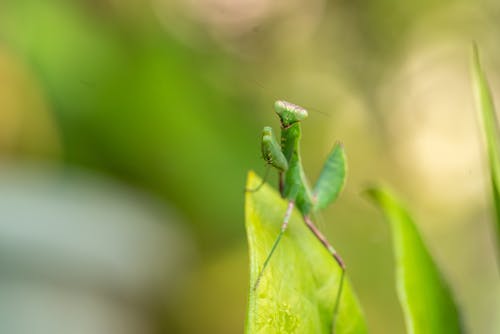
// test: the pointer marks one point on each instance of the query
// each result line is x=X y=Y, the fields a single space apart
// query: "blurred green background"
x=127 y=129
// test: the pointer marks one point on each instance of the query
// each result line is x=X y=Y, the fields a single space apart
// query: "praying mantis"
x=293 y=185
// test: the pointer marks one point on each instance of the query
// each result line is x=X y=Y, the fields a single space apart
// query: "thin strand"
x=264 y=179
x=284 y=226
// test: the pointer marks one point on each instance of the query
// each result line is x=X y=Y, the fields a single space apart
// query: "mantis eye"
x=289 y=113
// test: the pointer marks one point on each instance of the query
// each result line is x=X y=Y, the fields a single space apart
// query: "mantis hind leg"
x=284 y=226
x=324 y=241
x=337 y=258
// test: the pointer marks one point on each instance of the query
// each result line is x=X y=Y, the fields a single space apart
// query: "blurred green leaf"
x=138 y=103
x=298 y=290
x=489 y=128
x=424 y=295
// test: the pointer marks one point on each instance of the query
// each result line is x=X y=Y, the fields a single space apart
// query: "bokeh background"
x=127 y=129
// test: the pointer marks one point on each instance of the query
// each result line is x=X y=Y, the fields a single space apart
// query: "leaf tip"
x=250 y=175
x=253 y=180
x=476 y=64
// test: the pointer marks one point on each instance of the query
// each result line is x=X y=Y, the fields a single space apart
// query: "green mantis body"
x=294 y=187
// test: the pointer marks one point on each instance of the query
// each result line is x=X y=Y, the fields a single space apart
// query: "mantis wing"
x=332 y=178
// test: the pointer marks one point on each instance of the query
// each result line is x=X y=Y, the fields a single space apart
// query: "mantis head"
x=289 y=113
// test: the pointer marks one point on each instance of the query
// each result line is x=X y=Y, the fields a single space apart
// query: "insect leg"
x=325 y=242
x=271 y=150
x=284 y=226
x=337 y=258
x=281 y=183
x=272 y=155
x=264 y=179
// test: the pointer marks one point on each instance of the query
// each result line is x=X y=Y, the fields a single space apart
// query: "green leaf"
x=489 y=128
x=426 y=300
x=298 y=290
